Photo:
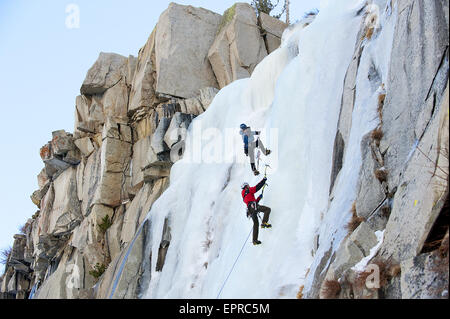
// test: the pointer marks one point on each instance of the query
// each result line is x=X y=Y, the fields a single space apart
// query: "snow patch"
x=361 y=265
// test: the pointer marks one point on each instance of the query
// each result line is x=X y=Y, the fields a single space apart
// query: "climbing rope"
x=240 y=253
x=232 y=268
x=124 y=260
x=33 y=290
x=243 y=246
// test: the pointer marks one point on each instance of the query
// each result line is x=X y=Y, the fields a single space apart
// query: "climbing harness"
x=253 y=205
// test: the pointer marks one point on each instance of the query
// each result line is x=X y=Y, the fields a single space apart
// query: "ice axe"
x=265 y=169
x=264 y=186
x=265 y=176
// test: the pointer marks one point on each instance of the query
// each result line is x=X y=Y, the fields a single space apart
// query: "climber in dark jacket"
x=248 y=196
x=250 y=144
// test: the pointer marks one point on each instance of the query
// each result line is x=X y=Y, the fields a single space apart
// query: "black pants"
x=253 y=209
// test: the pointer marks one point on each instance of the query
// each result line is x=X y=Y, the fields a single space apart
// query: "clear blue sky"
x=42 y=65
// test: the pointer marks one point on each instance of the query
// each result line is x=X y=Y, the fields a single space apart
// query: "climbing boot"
x=266 y=225
x=268 y=152
x=255 y=171
x=256 y=242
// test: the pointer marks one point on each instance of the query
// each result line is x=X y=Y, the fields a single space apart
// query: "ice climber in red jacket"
x=248 y=195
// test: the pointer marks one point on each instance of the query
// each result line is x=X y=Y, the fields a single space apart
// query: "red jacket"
x=248 y=194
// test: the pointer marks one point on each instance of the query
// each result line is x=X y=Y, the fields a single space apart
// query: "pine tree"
x=267 y=6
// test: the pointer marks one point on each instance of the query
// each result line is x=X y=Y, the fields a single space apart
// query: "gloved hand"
x=264 y=179
x=259 y=197
x=246 y=151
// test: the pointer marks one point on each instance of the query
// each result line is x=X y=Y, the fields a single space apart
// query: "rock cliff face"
x=99 y=183
x=90 y=237
x=403 y=182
